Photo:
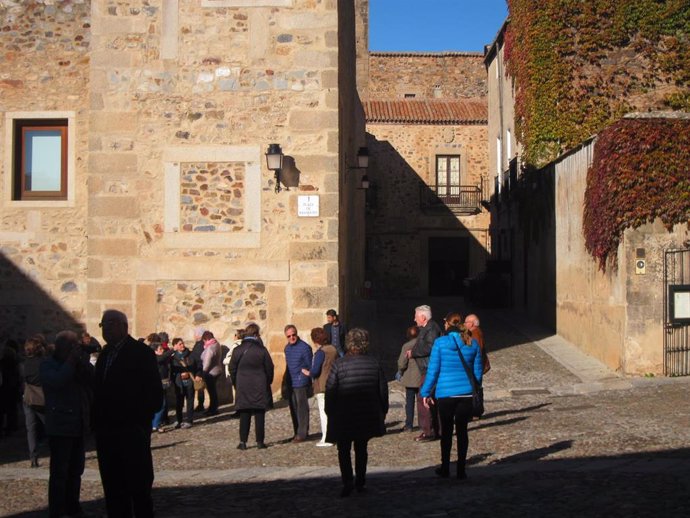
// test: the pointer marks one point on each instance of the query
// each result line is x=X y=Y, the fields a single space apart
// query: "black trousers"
x=66 y=469
x=259 y=424
x=454 y=411
x=126 y=467
x=212 y=391
x=299 y=412
x=345 y=461
x=184 y=393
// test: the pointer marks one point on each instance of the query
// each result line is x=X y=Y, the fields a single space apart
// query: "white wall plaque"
x=308 y=206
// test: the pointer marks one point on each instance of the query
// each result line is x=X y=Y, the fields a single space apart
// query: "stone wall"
x=44 y=72
x=174 y=219
x=448 y=75
x=615 y=316
x=398 y=228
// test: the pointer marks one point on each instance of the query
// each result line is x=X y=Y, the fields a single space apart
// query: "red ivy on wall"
x=640 y=172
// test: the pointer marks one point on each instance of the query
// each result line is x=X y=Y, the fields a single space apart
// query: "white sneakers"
x=323 y=444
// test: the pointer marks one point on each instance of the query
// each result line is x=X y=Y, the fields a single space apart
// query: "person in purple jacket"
x=298 y=356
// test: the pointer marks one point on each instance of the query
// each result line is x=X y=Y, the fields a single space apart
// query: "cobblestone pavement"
x=554 y=442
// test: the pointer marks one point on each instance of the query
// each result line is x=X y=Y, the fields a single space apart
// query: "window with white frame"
x=447 y=175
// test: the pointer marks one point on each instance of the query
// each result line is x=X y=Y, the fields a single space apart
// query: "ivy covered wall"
x=580 y=65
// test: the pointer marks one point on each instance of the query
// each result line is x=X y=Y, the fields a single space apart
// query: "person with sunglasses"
x=298 y=356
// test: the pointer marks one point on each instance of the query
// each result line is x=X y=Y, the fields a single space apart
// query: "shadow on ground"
x=527 y=484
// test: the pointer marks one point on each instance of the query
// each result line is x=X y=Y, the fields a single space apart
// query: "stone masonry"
x=171 y=214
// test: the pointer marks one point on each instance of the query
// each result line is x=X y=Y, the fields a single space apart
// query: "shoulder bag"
x=33 y=395
x=477 y=389
x=199 y=384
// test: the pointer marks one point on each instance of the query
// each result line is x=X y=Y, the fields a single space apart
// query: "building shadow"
x=534 y=484
x=26 y=308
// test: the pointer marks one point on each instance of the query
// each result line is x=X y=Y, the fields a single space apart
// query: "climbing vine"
x=640 y=171
x=578 y=66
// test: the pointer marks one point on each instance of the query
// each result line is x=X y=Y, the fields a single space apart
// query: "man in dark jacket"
x=196 y=355
x=429 y=331
x=66 y=378
x=128 y=392
x=298 y=356
x=336 y=331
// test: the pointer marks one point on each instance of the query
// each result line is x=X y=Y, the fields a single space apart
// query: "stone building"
x=427 y=229
x=133 y=169
x=619 y=316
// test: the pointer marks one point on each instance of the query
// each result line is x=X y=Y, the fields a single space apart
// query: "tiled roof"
x=466 y=111
x=417 y=54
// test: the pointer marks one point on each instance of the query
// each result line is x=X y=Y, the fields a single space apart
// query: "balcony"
x=459 y=199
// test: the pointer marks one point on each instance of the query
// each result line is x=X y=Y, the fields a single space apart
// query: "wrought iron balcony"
x=460 y=199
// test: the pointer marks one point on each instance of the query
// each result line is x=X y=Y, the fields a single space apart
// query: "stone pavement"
x=562 y=436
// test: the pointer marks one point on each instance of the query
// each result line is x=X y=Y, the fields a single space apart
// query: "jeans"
x=321 y=403
x=454 y=411
x=34 y=429
x=345 y=461
x=259 y=424
x=410 y=395
x=66 y=468
x=158 y=416
x=299 y=412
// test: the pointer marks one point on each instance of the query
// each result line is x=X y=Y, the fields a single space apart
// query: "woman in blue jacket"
x=453 y=388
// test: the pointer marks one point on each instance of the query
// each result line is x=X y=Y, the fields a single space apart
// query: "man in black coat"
x=128 y=391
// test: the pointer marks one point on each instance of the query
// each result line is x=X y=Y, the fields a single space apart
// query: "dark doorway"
x=448 y=265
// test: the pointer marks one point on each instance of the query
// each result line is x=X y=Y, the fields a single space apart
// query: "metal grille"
x=676 y=336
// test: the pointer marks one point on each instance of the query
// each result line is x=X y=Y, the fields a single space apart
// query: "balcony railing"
x=465 y=199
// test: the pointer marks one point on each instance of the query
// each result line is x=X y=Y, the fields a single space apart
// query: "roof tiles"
x=465 y=111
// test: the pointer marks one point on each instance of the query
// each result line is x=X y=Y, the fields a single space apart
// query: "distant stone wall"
x=451 y=75
x=220 y=306
x=402 y=166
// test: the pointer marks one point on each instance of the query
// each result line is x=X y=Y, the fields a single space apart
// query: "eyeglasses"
x=291 y=336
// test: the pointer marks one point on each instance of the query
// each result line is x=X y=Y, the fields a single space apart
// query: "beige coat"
x=411 y=375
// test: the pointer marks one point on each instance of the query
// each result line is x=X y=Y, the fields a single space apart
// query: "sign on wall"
x=308 y=206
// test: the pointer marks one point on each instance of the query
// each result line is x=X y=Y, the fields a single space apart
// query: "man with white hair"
x=428 y=332
x=472 y=325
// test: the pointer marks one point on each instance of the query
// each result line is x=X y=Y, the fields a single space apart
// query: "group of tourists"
x=72 y=387
x=119 y=392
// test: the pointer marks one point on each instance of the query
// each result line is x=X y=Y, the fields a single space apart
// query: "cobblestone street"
x=562 y=436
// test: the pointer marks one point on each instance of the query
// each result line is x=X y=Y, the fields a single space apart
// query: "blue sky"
x=434 y=25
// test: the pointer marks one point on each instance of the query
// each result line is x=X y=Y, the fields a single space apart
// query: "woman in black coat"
x=356 y=405
x=251 y=371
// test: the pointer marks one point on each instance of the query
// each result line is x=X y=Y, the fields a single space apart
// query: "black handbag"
x=477 y=389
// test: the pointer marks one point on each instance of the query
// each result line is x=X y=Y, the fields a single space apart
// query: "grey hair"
x=357 y=341
x=424 y=310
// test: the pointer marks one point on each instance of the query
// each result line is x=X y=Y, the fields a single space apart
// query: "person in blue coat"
x=298 y=356
x=66 y=378
x=453 y=388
